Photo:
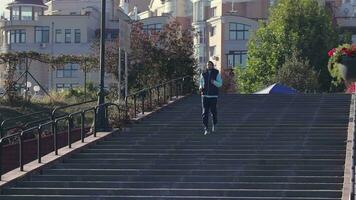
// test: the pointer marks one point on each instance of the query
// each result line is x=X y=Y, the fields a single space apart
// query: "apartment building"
x=58 y=27
x=222 y=27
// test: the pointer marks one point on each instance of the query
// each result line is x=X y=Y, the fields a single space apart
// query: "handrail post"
x=352 y=193
x=82 y=126
x=1 y=132
x=151 y=106
x=126 y=107
x=181 y=89
x=158 y=95
x=171 y=90
x=1 y=154
x=70 y=125
x=21 y=160
x=135 y=115
x=54 y=131
x=143 y=103
x=55 y=142
x=39 y=142
x=177 y=89
x=95 y=121
x=164 y=93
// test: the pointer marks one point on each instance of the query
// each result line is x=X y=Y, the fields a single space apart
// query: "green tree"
x=177 y=45
x=298 y=74
x=293 y=24
x=160 y=56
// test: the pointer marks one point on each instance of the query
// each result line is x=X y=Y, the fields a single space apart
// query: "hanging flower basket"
x=347 y=68
x=342 y=63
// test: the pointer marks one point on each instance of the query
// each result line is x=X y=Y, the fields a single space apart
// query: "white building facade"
x=60 y=27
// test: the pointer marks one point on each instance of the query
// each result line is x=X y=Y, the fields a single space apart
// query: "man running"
x=209 y=84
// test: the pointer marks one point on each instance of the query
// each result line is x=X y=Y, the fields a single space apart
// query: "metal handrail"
x=51 y=115
x=69 y=117
x=3 y=130
x=142 y=93
x=55 y=110
x=53 y=123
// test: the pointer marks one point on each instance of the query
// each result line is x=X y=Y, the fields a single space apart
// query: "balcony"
x=346 y=21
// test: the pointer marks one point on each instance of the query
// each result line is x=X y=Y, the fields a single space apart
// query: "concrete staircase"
x=266 y=147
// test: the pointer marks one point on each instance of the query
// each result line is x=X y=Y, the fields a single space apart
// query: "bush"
x=298 y=74
x=228 y=81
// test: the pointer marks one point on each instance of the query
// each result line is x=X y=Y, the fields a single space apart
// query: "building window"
x=59 y=38
x=36 y=14
x=213 y=30
x=77 y=36
x=21 y=66
x=42 y=34
x=213 y=12
x=26 y=13
x=237 y=58
x=68 y=36
x=152 y=28
x=201 y=37
x=16 y=36
x=67 y=71
x=212 y=51
x=15 y=13
x=239 y=31
x=65 y=86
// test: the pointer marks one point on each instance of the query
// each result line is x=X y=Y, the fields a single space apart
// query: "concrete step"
x=196 y=172
x=148 y=164
x=191 y=178
x=267 y=147
x=251 y=147
x=187 y=185
x=215 y=161
x=207 y=155
x=175 y=192
x=158 y=197
x=119 y=149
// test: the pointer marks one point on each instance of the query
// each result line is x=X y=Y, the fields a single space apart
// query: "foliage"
x=12 y=57
x=11 y=94
x=160 y=56
x=228 y=81
x=111 y=55
x=298 y=74
x=78 y=94
x=293 y=24
x=177 y=45
x=336 y=55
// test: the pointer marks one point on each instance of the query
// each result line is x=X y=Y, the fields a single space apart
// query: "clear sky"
x=3 y=4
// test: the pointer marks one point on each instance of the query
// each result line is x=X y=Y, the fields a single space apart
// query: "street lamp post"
x=102 y=123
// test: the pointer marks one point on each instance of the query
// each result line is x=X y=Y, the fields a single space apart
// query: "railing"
x=5 y=125
x=352 y=192
x=350 y=153
x=175 y=88
x=38 y=130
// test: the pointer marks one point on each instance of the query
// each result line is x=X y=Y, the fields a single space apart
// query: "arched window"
x=239 y=31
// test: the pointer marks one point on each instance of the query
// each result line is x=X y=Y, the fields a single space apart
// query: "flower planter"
x=347 y=68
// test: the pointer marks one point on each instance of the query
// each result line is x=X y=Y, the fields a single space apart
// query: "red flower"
x=346 y=51
x=331 y=52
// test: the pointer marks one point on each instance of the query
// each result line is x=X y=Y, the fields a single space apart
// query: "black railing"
x=176 y=87
x=352 y=192
x=38 y=130
x=6 y=125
